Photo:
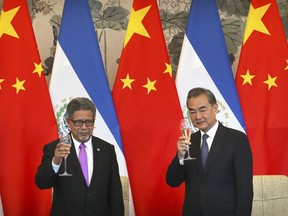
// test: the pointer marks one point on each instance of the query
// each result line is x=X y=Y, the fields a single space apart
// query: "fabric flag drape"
x=78 y=71
x=262 y=80
x=1 y=207
x=204 y=62
x=148 y=110
x=27 y=119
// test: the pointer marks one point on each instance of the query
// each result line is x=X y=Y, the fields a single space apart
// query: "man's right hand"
x=182 y=146
x=62 y=150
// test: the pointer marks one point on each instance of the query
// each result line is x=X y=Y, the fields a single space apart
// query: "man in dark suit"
x=101 y=192
x=221 y=185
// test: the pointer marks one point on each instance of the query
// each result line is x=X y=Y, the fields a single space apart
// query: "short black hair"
x=80 y=103
x=195 y=92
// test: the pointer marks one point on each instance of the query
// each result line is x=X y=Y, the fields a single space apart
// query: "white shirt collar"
x=89 y=151
x=211 y=133
x=88 y=144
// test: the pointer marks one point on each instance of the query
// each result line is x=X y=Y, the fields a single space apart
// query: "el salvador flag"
x=78 y=71
x=204 y=62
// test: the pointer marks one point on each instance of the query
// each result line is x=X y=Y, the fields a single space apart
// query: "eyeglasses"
x=79 y=123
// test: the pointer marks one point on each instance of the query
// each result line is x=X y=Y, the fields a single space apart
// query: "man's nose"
x=198 y=115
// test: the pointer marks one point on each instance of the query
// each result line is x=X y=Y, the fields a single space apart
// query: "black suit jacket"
x=224 y=187
x=71 y=196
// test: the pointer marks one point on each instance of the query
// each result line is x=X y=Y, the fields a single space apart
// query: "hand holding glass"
x=66 y=140
x=186 y=130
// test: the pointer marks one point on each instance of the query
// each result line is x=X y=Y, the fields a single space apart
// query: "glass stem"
x=65 y=164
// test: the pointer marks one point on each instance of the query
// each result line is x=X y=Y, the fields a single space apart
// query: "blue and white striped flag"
x=78 y=71
x=204 y=62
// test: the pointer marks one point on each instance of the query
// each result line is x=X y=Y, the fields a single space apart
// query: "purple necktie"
x=84 y=162
x=204 y=150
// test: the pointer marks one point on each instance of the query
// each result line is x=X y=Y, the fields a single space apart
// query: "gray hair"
x=195 y=92
x=80 y=103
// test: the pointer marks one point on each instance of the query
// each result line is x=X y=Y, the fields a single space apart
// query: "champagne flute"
x=66 y=140
x=186 y=130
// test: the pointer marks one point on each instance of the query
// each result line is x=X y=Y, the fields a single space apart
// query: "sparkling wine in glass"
x=186 y=130
x=66 y=140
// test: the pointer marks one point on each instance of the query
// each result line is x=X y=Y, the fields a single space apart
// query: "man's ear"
x=216 y=108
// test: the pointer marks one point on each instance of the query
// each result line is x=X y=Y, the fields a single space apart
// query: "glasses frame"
x=82 y=122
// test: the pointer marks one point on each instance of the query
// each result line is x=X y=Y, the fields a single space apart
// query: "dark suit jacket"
x=71 y=196
x=224 y=187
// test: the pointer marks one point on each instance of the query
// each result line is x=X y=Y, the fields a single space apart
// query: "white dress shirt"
x=211 y=134
x=89 y=152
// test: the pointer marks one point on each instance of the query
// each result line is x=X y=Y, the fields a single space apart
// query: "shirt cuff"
x=55 y=166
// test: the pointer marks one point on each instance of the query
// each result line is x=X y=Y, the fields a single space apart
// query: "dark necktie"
x=204 y=149
x=84 y=162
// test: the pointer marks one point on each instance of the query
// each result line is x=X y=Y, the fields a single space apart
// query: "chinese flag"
x=27 y=119
x=262 y=83
x=149 y=112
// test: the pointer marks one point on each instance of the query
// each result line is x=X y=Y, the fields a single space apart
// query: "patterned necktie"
x=204 y=149
x=84 y=162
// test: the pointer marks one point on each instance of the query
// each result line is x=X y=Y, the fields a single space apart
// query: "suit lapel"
x=218 y=142
x=96 y=151
x=74 y=164
x=74 y=161
x=195 y=151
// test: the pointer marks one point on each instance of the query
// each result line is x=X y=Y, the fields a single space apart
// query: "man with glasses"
x=94 y=186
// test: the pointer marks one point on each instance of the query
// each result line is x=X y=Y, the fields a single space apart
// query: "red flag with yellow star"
x=262 y=83
x=27 y=119
x=148 y=110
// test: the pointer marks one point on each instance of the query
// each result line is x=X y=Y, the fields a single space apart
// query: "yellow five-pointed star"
x=19 y=85
x=127 y=82
x=168 y=69
x=1 y=80
x=271 y=81
x=286 y=68
x=247 y=78
x=150 y=85
x=5 y=22
x=254 y=21
x=38 y=68
x=135 y=24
